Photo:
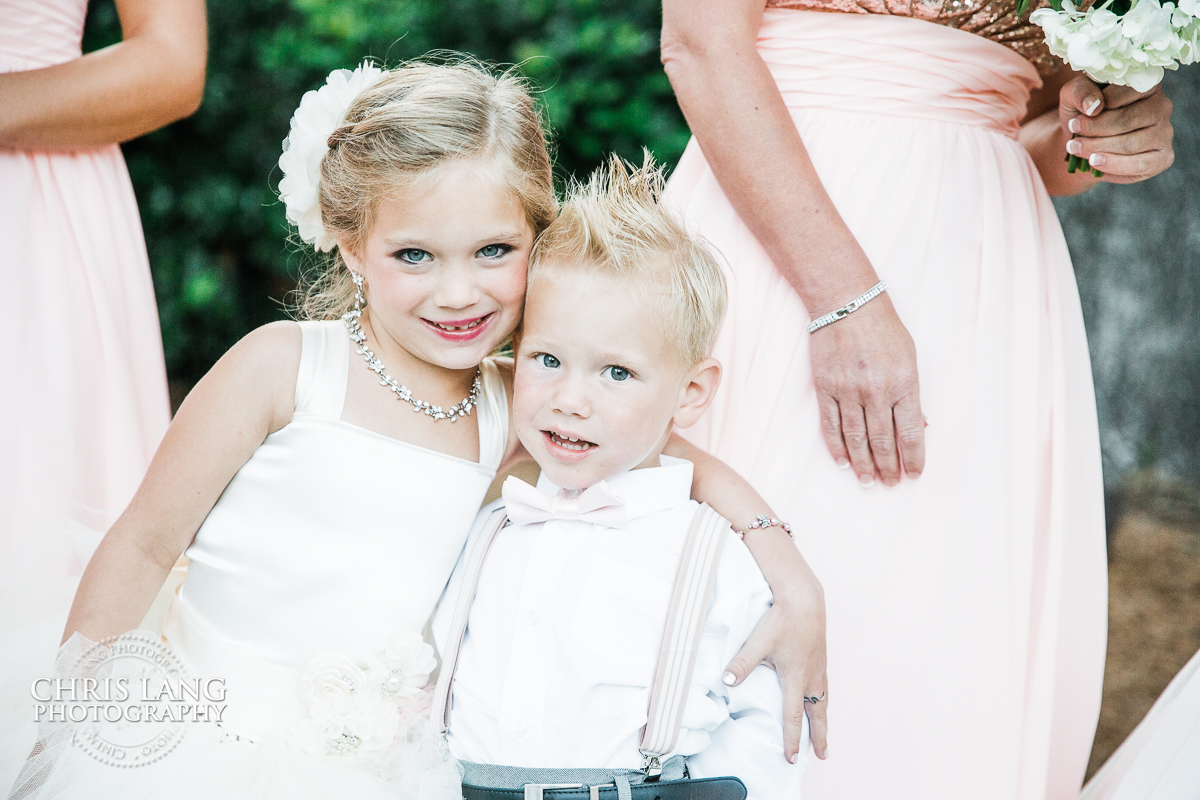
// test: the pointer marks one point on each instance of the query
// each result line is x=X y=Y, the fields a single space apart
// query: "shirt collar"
x=646 y=490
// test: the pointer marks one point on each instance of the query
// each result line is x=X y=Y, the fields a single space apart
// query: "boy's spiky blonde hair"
x=616 y=225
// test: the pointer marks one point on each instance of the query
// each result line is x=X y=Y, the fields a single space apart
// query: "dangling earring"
x=360 y=302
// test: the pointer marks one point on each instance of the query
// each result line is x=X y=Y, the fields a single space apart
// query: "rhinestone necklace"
x=460 y=409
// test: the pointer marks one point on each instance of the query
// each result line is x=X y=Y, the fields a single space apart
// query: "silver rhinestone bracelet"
x=849 y=308
x=762 y=522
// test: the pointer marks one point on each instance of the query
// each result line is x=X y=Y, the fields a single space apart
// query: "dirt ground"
x=1153 y=612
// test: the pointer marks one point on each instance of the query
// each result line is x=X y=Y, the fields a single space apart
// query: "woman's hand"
x=790 y=638
x=865 y=373
x=1124 y=133
x=864 y=365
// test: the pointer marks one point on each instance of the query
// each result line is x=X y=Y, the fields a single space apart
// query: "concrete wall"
x=1137 y=257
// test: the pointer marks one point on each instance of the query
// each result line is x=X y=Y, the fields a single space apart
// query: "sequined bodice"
x=993 y=19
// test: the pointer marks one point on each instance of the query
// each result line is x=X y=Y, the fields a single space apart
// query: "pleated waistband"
x=895 y=66
x=39 y=33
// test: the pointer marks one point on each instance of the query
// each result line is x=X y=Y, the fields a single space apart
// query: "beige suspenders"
x=690 y=596
x=458 y=624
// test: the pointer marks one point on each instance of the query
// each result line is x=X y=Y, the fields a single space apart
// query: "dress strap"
x=493 y=415
x=324 y=364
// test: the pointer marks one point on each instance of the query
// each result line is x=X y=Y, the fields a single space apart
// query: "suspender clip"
x=651 y=768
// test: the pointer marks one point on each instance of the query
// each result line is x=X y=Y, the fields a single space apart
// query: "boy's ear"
x=698 y=391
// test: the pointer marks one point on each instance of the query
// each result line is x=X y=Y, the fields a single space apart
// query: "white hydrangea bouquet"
x=1123 y=42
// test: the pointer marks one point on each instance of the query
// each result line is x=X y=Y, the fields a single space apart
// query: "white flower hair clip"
x=321 y=112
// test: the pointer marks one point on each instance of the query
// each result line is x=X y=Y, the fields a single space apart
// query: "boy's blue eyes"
x=494 y=250
x=617 y=373
x=550 y=362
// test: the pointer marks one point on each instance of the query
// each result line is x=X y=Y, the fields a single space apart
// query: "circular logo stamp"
x=136 y=693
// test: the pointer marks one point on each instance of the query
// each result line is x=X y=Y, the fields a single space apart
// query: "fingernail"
x=913 y=475
x=1097 y=159
x=1074 y=147
x=843 y=463
x=1073 y=125
x=793 y=758
x=866 y=480
x=728 y=678
x=825 y=754
x=1091 y=109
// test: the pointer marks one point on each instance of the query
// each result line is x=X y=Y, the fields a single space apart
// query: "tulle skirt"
x=967 y=609
x=207 y=764
x=254 y=754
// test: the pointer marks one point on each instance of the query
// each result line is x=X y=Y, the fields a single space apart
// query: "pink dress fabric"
x=966 y=610
x=1161 y=758
x=84 y=399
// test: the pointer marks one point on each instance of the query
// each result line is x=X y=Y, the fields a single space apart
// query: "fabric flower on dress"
x=320 y=113
x=355 y=706
x=410 y=661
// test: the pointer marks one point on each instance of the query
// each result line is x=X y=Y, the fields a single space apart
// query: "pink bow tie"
x=597 y=504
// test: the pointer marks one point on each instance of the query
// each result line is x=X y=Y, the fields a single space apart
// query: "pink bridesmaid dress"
x=83 y=403
x=1161 y=758
x=967 y=609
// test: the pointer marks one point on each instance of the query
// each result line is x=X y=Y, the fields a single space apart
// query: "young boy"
x=563 y=634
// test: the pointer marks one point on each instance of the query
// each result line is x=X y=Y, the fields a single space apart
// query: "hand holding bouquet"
x=1122 y=42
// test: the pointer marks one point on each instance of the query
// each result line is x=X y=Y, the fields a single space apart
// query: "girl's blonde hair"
x=415 y=119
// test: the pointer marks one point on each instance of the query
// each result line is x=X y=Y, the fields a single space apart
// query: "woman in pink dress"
x=917 y=144
x=84 y=397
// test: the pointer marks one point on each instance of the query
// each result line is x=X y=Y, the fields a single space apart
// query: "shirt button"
x=534 y=617
x=519 y=728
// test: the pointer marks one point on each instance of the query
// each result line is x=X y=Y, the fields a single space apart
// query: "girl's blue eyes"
x=412 y=255
x=617 y=373
x=546 y=360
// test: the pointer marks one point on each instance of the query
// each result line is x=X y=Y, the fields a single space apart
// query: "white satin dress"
x=331 y=539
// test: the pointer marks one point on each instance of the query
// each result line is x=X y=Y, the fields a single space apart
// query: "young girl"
x=322 y=518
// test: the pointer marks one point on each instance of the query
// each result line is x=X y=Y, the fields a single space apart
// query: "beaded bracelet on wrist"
x=764 y=522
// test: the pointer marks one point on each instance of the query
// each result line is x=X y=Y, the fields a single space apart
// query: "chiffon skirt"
x=966 y=609
x=84 y=400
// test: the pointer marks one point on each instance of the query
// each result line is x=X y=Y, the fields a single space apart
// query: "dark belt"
x=699 y=789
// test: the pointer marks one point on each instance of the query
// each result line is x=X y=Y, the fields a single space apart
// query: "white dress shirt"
x=560 y=648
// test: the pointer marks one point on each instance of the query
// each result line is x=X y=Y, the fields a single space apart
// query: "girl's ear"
x=349 y=255
x=698 y=391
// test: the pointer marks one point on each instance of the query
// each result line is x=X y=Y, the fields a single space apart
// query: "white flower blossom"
x=1131 y=49
x=320 y=113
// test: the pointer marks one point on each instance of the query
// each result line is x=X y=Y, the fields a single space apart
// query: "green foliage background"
x=206 y=185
